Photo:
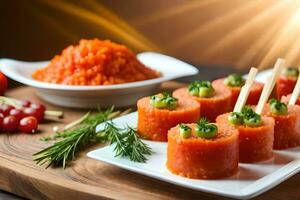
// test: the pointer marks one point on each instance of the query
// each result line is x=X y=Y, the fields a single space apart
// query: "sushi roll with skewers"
x=256 y=134
x=287 y=123
x=213 y=101
x=286 y=82
x=202 y=150
x=234 y=83
x=158 y=113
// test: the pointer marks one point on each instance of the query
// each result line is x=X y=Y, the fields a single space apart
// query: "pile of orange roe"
x=95 y=62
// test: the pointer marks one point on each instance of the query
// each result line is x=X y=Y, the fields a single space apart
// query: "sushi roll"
x=202 y=150
x=286 y=82
x=234 y=83
x=158 y=113
x=213 y=101
x=287 y=127
x=256 y=134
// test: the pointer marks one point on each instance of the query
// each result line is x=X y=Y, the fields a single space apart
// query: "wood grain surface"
x=86 y=178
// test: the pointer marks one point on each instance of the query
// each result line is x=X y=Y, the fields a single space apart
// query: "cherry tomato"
x=5 y=109
x=19 y=114
x=1 y=121
x=28 y=125
x=3 y=83
x=39 y=107
x=34 y=113
x=10 y=124
x=25 y=103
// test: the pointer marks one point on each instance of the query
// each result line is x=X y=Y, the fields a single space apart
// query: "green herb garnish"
x=234 y=80
x=291 y=72
x=184 y=130
x=81 y=134
x=247 y=117
x=164 y=101
x=235 y=118
x=201 y=89
x=250 y=117
x=206 y=130
x=277 y=107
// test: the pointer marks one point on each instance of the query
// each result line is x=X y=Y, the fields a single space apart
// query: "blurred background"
x=218 y=36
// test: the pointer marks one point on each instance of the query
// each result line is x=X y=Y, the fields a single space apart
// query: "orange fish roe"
x=95 y=62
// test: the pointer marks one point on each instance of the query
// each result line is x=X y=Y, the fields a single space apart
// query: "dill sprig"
x=79 y=135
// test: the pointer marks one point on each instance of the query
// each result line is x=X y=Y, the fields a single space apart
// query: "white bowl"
x=119 y=95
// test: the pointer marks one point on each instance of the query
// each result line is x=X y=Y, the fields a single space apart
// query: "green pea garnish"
x=184 y=131
x=234 y=80
x=291 y=72
x=251 y=118
x=201 y=89
x=206 y=130
x=235 y=118
x=164 y=101
x=277 y=107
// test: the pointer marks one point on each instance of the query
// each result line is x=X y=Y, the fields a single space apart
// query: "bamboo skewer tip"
x=243 y=96
x=269 y=85
x=296 y=91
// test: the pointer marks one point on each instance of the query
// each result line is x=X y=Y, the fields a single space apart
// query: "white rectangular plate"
x=251 y=180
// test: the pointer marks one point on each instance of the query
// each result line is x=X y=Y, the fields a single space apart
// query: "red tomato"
x=3 y=83
x=10 y=124
x=28 y=125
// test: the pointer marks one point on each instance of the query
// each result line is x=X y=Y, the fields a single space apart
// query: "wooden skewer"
x=269 y=85
x=296 y=92
x=243 y=96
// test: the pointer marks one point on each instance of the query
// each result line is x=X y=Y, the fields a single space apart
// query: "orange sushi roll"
x=193 y=156
x=154 y=120
x=234 y=83
x=214 y=101
x=286 y=82
x=255 y=141
x=287 y=128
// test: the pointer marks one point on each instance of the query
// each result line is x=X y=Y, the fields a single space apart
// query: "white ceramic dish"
x=120 y=95
x=251 y=180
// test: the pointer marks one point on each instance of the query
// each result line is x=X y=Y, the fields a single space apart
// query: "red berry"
x=25 y=103
x=10 y=124
x=39 y=107
x=1 y=121
x=28 y=125
x=5 y=109
x=34 y=113
x=17 y=113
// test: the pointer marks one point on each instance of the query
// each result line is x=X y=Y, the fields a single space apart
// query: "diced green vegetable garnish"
x=184 y=131
x=164 y=101
x=251 y=118
x=206 y=130
x=277 y=107
x=201 y=89
x=235 y=118
x=234 y=80
x=291 y=72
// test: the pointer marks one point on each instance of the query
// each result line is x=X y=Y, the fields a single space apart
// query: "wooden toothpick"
x=296 y=91
x=269 y=85
x=243 y=96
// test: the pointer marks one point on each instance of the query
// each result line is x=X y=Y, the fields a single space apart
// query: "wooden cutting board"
x=86 y=178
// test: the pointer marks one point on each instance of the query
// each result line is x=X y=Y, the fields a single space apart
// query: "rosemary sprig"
x=127 y=143
x=82 y=132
